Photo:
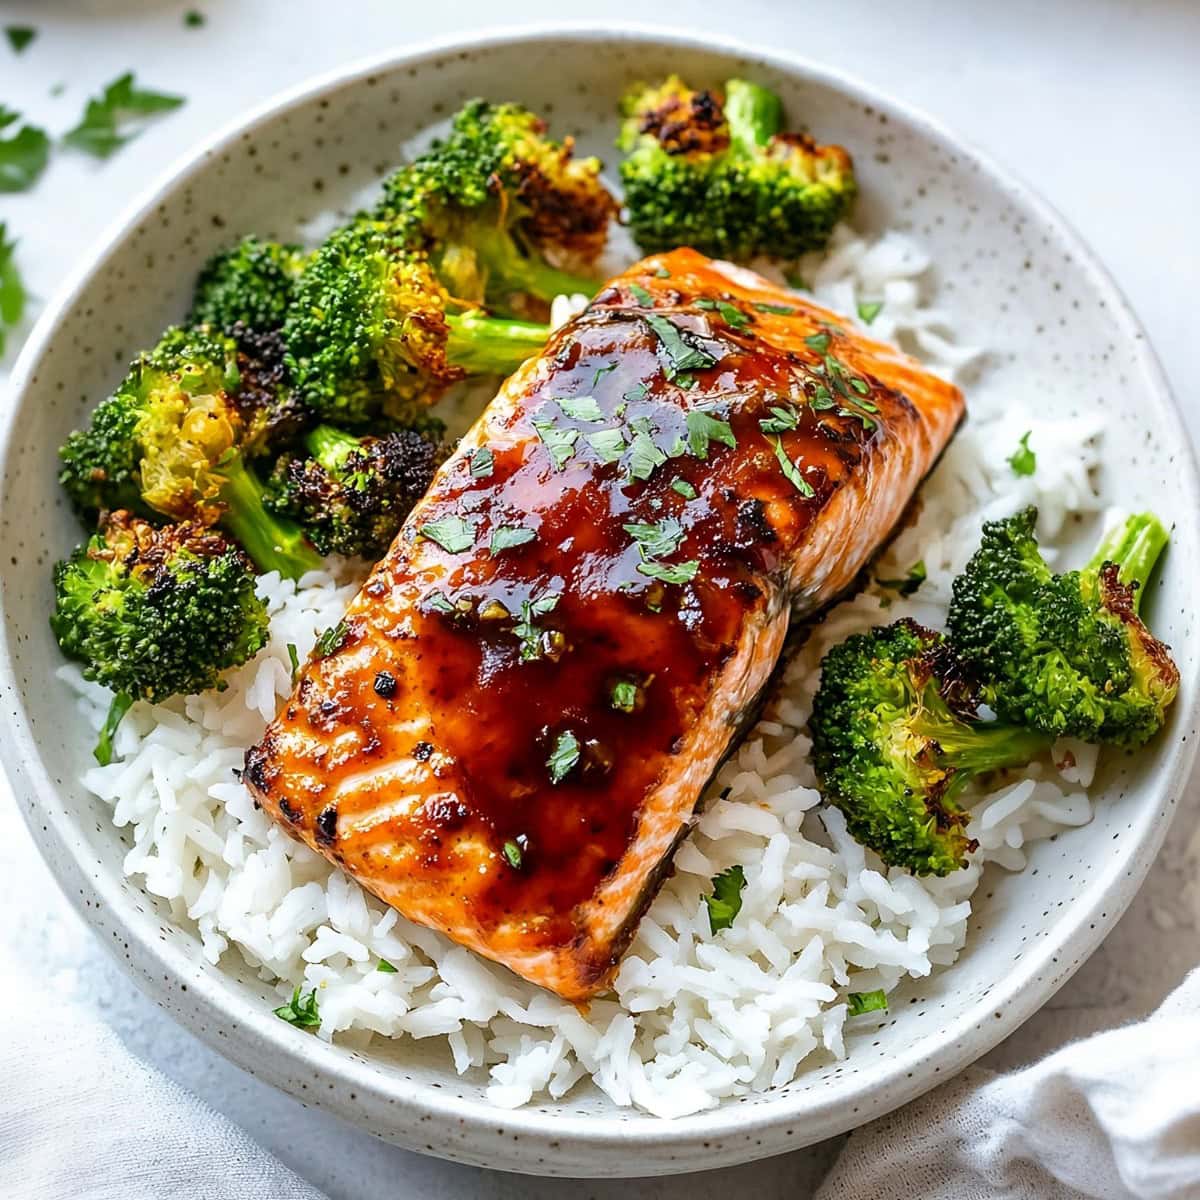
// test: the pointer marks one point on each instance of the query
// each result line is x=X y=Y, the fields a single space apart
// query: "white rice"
x=695 y=1018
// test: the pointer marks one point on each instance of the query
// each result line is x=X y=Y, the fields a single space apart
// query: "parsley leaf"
x=293 y=658
x=512 y=854
x=662 y=273
x=684 y=488
x=602 y=371
x=563 y=757
x=656 y=541
x=624 y=696
x=194 y=19
x=609 y=444
x=642 y=296
x=332 y=640
x=101 y=131
x=670 y=572
x=703 y=427
x=440 y=602
x=559 y=442
x=528 y=634
x=790 y=470
x=783 y=310
x=23 y=156
x=865 y=1002
x=869 y=310
x=681 y=355
x=645 y=455
x=483 y=463
x=734 y=317
x=120 y=705
x=581 y=408
x=19 y=36
x=781 y=420
x=385 y=966
x=12 y=290
x=818 y=342
x=1023 y=460
x=726 y=900
x=300 y=1012
x=909 y=584
x=505 y=537
x=454 y=534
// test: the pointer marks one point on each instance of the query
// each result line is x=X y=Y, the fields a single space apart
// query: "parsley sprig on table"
x=117 y=116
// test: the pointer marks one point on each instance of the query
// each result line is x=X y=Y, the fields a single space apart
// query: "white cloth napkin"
x=1113 y=1116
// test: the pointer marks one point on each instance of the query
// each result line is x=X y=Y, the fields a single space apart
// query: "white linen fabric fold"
x=1110 y=1117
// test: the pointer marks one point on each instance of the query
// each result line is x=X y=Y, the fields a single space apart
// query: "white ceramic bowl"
x=1022 y=284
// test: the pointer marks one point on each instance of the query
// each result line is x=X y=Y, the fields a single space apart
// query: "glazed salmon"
x=513 y=725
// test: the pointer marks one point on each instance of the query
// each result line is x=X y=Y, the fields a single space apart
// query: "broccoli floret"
x=719 y=174
x=156 y=612
x=1066 y=654
x=249 y=284
x=352 y=495
x=370 y=333
x=896 y=739
x=495 y=201
x=173 y=440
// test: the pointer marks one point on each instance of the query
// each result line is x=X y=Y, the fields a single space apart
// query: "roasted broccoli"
x=352 y=494
x=156 y=612
x=896 y=738
x=173 y=439
x=249 y=285
x=370 y=334
x=1065 y=654
x=495 y=201
x=721 y=176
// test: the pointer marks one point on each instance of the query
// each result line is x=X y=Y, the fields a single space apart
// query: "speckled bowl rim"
x=416 y=1115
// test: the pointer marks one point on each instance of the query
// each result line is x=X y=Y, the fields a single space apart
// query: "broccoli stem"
x=1135 y=547
x=754 y=115
x=508 y=270
x=274 y=543
x=487 y=345
x=331 y=447
x=121 y=704
x=978 y=747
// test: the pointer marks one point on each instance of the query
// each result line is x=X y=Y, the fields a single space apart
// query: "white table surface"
x=1095 y=102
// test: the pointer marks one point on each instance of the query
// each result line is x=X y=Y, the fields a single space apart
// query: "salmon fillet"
x=511 y=730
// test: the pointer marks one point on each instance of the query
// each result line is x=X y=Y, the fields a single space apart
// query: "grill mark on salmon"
x=433 y=789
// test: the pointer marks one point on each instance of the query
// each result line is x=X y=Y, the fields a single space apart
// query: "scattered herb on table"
x=12 y=289
x=726 y=900
x=23 y=156
x=113 y=119
x=193 y=19
x=302 y=1012
x=19 y=37
x=1023 y=460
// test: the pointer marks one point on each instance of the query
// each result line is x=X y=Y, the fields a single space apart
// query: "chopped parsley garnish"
x=293 y=658
x=781 y=420
x=483 y=463
x=706 y=304
x=19 y=36
x=791 y=470
x=681 y=354
x=193 y=19
x=868 y=310
x=640 y=294
x=703 y=427
x=12 y=289
x=440 y=602
x=644 y=454
x=581 y=408
x=23 y=156
x=300 y=1012
x=332 y=640
x=454 y=534
x=120 y=705
x=563 y=757
x=782 y=310
x=385 y=966
x=909 y=584
x=670 y=572
x=609 y=444
x=512 y=854
x=602 y=371
x=528 y=634
x=865 y=1002
x=733 y=316
x=662 y=273
x=726 y=900
x=684 y=488
x=635 y=393
x=818 y=342
x=559 y=442
x=1023 y=460
x=505 y=537
x=624 y=696
x=658 y=540
x=106 y=123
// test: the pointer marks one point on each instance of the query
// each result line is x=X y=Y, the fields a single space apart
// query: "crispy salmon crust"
x=512 y=732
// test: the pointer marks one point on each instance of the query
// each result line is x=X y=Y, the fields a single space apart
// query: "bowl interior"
x=1059 y=339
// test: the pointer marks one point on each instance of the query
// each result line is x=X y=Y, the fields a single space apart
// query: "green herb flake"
x=194 y=20
x=454 y=534
x=868 y=310
x=818 y=342
x=703 y=427
x=332 y=640
x=791 y=470
x=795 y=280
x=644 y=455
x=385 y=967
x=642 y=296
x=635 y=393
x=624 y=696
x=670 y=572
x=662 y=273
x=529 y=635
x=732 y=315
x=602 y=371
x=684 y=488
x=440 y=602
x=560 y=443
x=563 y=757
x=609 y=445
x=19 y=37
x=512 y=854
x=483 y=463
x=302 y=1012
x=121 y=704
x=505 y=537
x=657 y=540
x=681 y=355
x=864 y=1002
x=1023 y=460
x=581 y=408
x=780 y=310
x=23 y=156
x=726 y=900
x=106 y=123
x=910 y=583
x=12 y=289
x=707 y=304
x=781 y=420
x=294 y=659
